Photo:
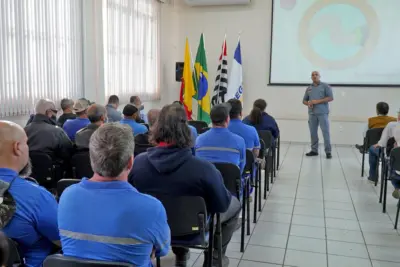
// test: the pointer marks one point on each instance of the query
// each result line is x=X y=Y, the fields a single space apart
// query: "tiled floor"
x=319 y=213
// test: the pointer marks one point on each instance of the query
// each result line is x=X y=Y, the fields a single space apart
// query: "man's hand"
x=376 y=146
x=310 y=104
x=314 y=102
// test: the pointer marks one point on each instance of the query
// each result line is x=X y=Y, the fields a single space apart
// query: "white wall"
x=349 y=110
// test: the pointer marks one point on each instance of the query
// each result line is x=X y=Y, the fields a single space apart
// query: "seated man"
x=131 y=114
x=171 y=169
x=67 y=108
x=112 y=109
x=33 y=224
x=395 y=175
x=380 y=121
x=45 y=136
x=81 y=121
x=142 y=140
x=111 y=220
x=97 y=116
x=219 y=144
x=236 y=126
x=135 y=100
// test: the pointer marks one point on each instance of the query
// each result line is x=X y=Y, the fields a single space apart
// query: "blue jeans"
x=395 y=180
x=322 y=120
x=373 y=162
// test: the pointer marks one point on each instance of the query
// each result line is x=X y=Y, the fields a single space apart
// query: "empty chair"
x=266 y=136
x=141 y=148
x=81 y=165
x=14 y=259
x=64 y=183
x=43 y=169
x=371 y=138
x=199 y=125
x=58 y=260
x=385 y=158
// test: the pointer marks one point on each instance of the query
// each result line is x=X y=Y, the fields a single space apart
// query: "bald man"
x=97 y=115
x=33 y=224
x=316 y=98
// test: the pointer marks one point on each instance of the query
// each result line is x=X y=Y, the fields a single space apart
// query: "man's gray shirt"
x=317 y=92
x=113 y=114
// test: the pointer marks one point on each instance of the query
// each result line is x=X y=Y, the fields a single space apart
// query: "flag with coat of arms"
x=235 y=85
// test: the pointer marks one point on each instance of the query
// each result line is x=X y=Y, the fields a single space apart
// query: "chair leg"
x=279 y=152
x=397 y=215
x=266 y=177
x=211 y=242
x=362 y=164
x=158 y=262
x=274 y=158
x=259 y=189
x=272 y=169
x=218 y=233
x=248 y=207
x=256 y=193
x=377 y=171
x=382 y=180
x=385 y=192
x=243 y=219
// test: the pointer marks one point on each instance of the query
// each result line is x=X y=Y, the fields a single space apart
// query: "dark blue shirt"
x=74 y=125
x=137 y=128
x=248 y=133
x=268 y=123
x=34 y=225
x=112 y=221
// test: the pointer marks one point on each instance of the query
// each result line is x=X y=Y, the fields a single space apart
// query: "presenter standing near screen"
x=317 y=97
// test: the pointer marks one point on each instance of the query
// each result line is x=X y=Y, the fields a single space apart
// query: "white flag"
x=235 y=89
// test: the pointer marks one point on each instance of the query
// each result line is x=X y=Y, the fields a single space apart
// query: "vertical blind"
x=40 y=53
x=131 y=45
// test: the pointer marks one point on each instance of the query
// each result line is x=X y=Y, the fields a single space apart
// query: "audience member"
x=395 y=175
x=67 y=108
x=192 y=128
x=236 y=126
x=374 y=150
x=171 y=169
x=143 y=139
x=380 y=121
x=4 y=250
x=97 y=115
x=219 y=144
x=137 y=102
x=112 y=109
x=262 y=120
x=81 y=121
x=131 y=113
x=32 y=212
x=45 y=136
x=105 y=218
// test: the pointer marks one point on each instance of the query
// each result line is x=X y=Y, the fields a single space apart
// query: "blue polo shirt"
x=73 y=126
x=137 y=128
x=112 y=221
x=268 y=123
x=34 y=225
x=317 y=92
x=221 y=145
x=248 y=133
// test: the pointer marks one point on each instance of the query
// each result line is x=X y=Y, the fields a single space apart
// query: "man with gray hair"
x=131 y=232
x=97 y=115
x=68 y=114
x=45 y=136
x=142 y=140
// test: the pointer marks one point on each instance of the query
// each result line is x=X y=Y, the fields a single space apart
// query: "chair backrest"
x=147 y=125
x=248 y=168
x=231 y=174
x=141 y=148
x=187 y=215
x=395 y=159
x=80 y=162
x=390 y=145
x=58 y=260
x=64 y=183
x=266 y=136
x=32 y=180
x=43 y=169
x=261 y=154
x=373 y=136
x=203 y=130
x=14 y=257
x=198 y=125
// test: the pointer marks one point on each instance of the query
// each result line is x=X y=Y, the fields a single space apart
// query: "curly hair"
x=172 y=127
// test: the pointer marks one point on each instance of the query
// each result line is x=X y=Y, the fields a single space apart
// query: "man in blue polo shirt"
x=33 y=225
x=72 y=126
x=105 y=218
x=219 y=144
x=131 y=115
x=236 y=126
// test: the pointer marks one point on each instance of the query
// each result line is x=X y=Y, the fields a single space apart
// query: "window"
x=131 y=45
x=40 y=53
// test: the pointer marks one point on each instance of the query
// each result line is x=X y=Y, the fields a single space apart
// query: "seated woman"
x=262 y=120
x=395 y=175
x=379 y=121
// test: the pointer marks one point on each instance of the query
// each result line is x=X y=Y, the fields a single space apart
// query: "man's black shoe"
x=328 y=155
x=312 y=154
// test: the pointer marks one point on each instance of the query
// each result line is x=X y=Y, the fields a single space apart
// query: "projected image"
x=353 y=42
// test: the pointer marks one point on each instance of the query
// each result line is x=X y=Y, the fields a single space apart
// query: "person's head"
x=97 y=114
x=111 y=150
x=14 y=150
x=113 y=100
x=4 y=249
x=152 y=116
x=259 y=107
x=46 y=107
x=236 y=108
x=66 y=105
x=80 y=108
x=382 y=108
x=172 y=128
x=135 y=100
x=315 y=77
x=130 y=112
x=220 y=115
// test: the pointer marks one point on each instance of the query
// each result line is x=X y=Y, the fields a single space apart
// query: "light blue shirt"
x=248 y=133
x=113 y=114
x=317 y=92
x=137 y=128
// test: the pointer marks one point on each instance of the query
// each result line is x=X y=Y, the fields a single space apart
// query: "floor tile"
x=340 y=214
x=264 y=254
x=340 y=261
x=305 y=259
x=342 y=224
x=307 y=244
x=382 y=240
x=338 y=205
x=244 y=263
x=347 y=249
x=271 y=227
x=307 y=231
x=276 y=217
x=308 y=220
x=269 y=239
x=384 y=264
x=384 y=253
x=344 y=235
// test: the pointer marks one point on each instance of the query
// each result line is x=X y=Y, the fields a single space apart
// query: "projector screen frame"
x=307 y=84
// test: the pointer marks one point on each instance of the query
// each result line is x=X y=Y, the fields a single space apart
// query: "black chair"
x=199 y=125
x=266 y=136
x=203 y=130
x=261 y=156
x=190 y=222
x=32 y=180
x=278 y=149
x=385 y=159
x=81 y=166
x=251 y=180
x=394 y=166
x=14 y=258
x=58 y=260
x=147 y=125
x=371 y=138
x=64 y=183
x=141 y=148
x=43 y=169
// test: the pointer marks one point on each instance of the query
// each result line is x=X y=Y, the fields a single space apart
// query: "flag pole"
x=220 y=71
x=195 y=76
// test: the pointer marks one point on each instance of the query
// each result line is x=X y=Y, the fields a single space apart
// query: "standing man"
x=317 y=97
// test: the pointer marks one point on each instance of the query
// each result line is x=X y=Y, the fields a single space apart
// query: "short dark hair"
x=129 y=110
x=113 y=99
x=382 y=108
x=95 y=112
x=133 y=99
x=236 y=108
x=66 y=103
x=261 y=104
x=172 y=128
x=220 y=113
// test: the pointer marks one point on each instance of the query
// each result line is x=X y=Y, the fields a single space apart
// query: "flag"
x=201 y=81
x=187 y=87
x=235 y=89
x=221 y=81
